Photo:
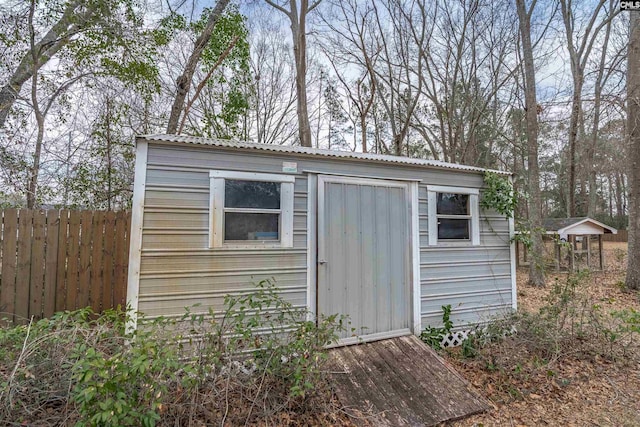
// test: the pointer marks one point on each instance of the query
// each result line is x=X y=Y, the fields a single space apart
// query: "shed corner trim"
x=135 y=233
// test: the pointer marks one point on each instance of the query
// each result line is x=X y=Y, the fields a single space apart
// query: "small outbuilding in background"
x=576 y=243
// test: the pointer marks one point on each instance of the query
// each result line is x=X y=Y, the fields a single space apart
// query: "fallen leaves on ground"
x=574 y=390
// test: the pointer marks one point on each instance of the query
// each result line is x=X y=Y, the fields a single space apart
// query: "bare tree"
x=349 y=45
x=469 y=57
x=606 y=68
x=273 y=103
x=183 y=83
x=399 y=91
x=297 y=14
x=633 y=131
x=536 y=271
x=40 y=111
x=580 y=47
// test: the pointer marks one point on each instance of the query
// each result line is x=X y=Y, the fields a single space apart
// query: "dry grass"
x=583 y=384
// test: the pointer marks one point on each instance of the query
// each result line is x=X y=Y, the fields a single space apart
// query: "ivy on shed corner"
x=499 y=195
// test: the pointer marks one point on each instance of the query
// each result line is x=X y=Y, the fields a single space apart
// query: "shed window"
x=453 y=215
x=454 y=218
x=251 y=210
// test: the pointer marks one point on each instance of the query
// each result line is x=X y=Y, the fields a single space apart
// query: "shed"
x=386 y=240
x=576 y=242
x=579 y=234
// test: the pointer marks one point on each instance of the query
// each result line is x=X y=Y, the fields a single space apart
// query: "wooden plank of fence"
x=97 y=231
x=23 y=272
x=37 y=265
x=119 y=282
x=107 y=260
x=51 y=262
x=125 y=277
x=61 y=269
x=73 y=258
x=84 y=271
x=8 y=278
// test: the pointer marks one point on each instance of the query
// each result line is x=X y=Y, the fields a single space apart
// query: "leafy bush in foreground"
x=234 y=367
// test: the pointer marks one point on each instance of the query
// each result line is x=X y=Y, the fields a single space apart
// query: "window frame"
x=473 y=216
x=217 y=210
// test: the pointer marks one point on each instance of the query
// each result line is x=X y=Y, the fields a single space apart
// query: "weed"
x=433 y=336
x=619 y=254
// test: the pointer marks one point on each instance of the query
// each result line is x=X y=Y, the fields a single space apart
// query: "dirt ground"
x=573 y=391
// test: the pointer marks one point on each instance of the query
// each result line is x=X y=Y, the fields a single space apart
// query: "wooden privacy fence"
x=622 y=236
x=62 y=260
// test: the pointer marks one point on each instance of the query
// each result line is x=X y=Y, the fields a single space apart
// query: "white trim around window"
x=217 y=210
x=474 y=215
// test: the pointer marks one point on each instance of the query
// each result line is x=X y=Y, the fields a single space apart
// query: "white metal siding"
x=475 y=280
x=178 y=269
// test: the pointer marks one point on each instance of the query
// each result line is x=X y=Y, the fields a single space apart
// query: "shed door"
x=363 y=256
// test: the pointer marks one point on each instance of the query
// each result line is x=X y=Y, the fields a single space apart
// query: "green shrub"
x=282 y=343
x=122 y=380
x=233 y=367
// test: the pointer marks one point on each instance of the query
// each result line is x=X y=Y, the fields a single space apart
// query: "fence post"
x=36 y=282
x=8 y=278
x=51 y=263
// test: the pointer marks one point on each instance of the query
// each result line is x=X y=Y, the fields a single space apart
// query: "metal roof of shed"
x=347 y=155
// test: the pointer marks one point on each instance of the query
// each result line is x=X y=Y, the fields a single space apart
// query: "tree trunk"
x=610 y=181
x=620 y=208
x=298 y=21
x=576 y=109
x=600 y=79
x=633 y=129
x=183 y=83
x=536 y=269
x=298 y=31
x=363 y=133
x=108 y=141
x=32 y=185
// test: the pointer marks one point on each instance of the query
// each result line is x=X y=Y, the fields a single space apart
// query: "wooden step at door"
x=401 y=382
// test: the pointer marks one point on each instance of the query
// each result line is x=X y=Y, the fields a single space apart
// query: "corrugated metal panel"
x=194 y=158
x=241 y=145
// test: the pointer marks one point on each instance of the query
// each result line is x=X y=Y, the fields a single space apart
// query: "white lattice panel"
x=456 y=338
